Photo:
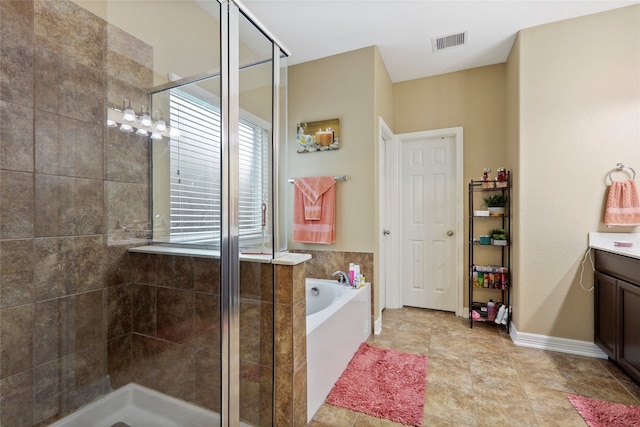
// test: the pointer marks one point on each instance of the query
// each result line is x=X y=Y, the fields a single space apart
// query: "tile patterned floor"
x=478 y=377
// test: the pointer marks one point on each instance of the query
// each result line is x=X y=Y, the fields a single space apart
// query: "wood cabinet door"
x=605 y=330
x=629 y=318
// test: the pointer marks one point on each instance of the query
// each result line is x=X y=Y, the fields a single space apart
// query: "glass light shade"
x=174 y=132
x=161 y=126
x=141 y=132
x=146 y=120
x=156 y=136
x=128 y=115
x=111 y=123
x=126 y=128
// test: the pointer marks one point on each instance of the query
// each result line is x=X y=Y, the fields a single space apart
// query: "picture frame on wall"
x=319 y=136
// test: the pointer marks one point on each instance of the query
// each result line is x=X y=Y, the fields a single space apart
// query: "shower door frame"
x=230 y=14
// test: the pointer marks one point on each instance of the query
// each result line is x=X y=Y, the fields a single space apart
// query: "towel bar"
x=619 y=167
x=337 y=178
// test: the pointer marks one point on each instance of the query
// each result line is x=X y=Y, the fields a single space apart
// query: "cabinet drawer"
x=619 y=266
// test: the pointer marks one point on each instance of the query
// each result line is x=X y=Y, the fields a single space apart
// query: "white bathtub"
x=339 y=322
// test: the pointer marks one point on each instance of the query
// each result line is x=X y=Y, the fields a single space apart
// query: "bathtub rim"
x=316 y=319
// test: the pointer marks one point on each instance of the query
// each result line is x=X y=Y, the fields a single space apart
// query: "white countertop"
x=606 y=242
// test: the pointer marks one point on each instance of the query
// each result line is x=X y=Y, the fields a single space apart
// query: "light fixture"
x=128 y=115
x=143 y=124
x=161 y=125
x=145 y=119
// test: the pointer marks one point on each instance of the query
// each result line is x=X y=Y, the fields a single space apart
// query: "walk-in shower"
x=138 y=198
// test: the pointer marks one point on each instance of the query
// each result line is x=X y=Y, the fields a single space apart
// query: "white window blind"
x=195 y=185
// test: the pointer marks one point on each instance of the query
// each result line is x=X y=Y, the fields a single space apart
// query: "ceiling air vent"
x=451 y=40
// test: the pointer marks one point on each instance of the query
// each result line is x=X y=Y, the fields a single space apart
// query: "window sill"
x=283 y=258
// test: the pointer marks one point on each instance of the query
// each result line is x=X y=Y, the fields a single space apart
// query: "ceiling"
x=403 y=30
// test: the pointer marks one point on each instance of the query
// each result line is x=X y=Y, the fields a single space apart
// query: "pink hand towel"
x=313 y=189
x=321 y=230
x=623 y=204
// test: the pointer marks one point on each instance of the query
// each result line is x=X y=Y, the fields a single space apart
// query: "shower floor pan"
x=137 y=406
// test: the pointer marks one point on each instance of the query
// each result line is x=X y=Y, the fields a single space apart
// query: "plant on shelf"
x=498 y=237
x=495 y=203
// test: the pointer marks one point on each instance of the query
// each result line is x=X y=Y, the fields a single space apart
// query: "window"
x=195 y=173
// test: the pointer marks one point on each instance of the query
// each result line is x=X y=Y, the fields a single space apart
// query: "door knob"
x=386 y=232
x=449 y=233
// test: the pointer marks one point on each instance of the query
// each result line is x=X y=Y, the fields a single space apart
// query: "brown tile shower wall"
x=65 y=182
x=324 y=263
x=291 y=346
x=75 y=305
x=164 y=331
x=291 y=333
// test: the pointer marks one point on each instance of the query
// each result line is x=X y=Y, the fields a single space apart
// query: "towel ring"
x=619 y=167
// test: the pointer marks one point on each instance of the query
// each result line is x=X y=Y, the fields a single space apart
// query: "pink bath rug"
x=599 y=413
x=383 y=383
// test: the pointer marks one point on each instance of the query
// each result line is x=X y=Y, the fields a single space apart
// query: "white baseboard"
x=377 y=325
x=545 y=342
x=563 y=345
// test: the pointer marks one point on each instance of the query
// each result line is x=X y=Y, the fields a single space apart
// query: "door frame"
x=394 y=274
x=386 y=201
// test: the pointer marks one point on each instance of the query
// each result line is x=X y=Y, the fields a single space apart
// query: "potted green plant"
x=495 y=203
x=498 y=237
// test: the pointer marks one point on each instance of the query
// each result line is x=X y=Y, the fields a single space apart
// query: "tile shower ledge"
x=284 y=258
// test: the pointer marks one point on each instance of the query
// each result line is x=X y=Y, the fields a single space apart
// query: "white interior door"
x=429 y=222
x=387 y=202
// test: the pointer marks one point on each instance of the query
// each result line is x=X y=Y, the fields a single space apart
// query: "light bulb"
x=128 y=115
x=126 y=128
x=111 y=123
x=146 y=120
x=156 y=136
x=161 y=126
x=141 y=132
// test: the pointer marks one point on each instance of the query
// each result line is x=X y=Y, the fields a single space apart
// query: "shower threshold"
x=136 y=406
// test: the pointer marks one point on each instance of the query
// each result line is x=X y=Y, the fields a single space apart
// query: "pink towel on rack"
x=623 y=204
x=313 y=188
x=314 y=202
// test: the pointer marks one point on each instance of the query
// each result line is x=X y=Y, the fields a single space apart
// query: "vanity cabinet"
x=617 y=309
x=605 y=313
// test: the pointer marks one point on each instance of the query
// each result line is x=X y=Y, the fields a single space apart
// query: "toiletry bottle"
x=491 y=310
x=352 y=273
x=505 y=316
x=500 y=314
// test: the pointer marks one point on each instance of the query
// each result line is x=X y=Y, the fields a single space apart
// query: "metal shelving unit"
x=499 y=275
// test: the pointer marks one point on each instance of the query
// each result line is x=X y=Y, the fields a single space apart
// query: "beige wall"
x=342 y=87
x=356 y=88
x=383 y=92
x=513 y=159
x=474 y=99
x=579 y=115
x=560 y=113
